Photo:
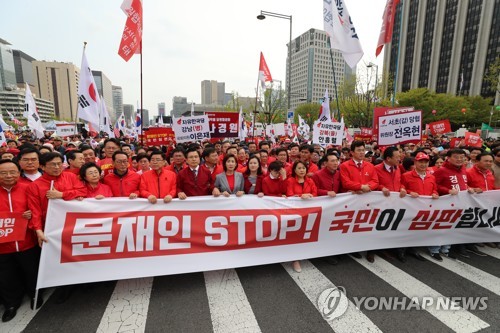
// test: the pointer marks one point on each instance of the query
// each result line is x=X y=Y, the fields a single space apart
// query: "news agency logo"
x=333 y=302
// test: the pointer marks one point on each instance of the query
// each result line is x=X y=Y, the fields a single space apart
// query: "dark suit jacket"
x=203 y=185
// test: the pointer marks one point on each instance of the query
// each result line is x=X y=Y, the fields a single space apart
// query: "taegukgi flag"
x=89 y=102
x=34 y=121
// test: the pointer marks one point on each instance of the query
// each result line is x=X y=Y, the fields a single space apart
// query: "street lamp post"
x=262 y=16
x=370 y=65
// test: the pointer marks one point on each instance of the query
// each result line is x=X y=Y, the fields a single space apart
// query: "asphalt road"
x=274 y=298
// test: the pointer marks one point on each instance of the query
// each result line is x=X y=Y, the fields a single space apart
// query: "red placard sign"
x=473 y=140
x=157 y=136
x=223 y=124
x=440 y=127
x=12 y=227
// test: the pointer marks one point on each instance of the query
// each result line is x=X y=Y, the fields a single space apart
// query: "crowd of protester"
x=34 y=172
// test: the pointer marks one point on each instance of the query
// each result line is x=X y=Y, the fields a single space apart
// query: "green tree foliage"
x=309 y=112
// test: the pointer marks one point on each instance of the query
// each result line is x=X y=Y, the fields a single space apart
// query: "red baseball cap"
x=422 y=156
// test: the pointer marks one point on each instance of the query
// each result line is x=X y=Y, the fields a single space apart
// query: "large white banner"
x=110 y=239
x=193 y=128
x=326 y=133
x=400 y=128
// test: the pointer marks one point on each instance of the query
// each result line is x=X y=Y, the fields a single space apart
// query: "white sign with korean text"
x=326 y=133
x=193 y=128
x=400 y=128
x=64 y=130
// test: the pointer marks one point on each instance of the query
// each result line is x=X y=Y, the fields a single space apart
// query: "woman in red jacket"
x=90 y=174
x=300 y=186
x=253 y=177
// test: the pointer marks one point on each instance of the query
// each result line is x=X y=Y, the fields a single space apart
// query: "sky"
x=184 y=42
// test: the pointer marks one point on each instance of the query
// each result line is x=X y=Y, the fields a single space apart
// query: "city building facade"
x=24 y=69
x=212 y=92
x=7 y=68
x=446 y=46
x=14 y=100
x=311 y=71
x=58 y=83
x=117 y=102
x=105 y=89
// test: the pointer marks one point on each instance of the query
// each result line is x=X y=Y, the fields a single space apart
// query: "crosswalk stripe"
x=24 y=316
x=459 y=320
x=229 y=306
x=495 y=253
x=127 y=309
x=471 y=273
x=312 y=282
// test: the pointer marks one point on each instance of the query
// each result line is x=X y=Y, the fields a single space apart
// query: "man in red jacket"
x=451 y=178
x=123 y=181
x=158 y=182
x=18 y=259
x=358 y=176
x=479 y=176
x=327 y=180
x=194 y=180
x=110 y=146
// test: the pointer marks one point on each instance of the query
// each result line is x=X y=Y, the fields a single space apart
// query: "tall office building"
x=161 y=109
x=212 y=92
x=24 y=69
x=58 y=82
x=128 y=110
x=13 y=101
x=446 y=46
x=311 y=71
x=117 y=102
x=105 y=89
x=7 y=69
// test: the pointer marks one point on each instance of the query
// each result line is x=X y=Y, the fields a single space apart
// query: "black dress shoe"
x=370 y=257
x=401 y=257
x=39 y=302
x=356 y=255
x=9 y=314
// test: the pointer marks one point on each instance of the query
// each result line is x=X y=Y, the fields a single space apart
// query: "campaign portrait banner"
x=400 y=128
x=156 y=136
x=118 y=238
x=68 y=129
x=440 y=127
x=384 y=111
x=223 y=124
x=12 y=227
x=326 y=133
x=192 y=128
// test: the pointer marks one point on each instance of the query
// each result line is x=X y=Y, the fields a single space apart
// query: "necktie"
x=195 y=174
x=359 y=165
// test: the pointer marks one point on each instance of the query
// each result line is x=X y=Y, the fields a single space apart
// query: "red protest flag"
x=440 y=127
x=387 y=25
x=132 y=33
x=264 y=73
x=473 y=140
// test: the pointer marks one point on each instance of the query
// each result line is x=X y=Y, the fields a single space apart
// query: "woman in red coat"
x=300 y=186
x=90 y=174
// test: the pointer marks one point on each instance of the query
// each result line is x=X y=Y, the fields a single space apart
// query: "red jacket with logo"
x=450 y=177
x=479 y=179
x=352 y=177
x=159 y=185
x=67 y=183
x=101 y=189
x=389 y=180
x=412 y=182
x=123 y=186
x=203 y=185
x=15 y=200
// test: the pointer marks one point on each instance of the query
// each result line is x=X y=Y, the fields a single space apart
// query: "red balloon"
x=463 y=110
x=434 y=112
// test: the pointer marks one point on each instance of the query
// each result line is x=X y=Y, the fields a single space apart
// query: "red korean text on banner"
x=12 y=227
x=440 y=127
x=132 y=33
x=156 y=136
x=473 y=140
x=384 y=111
x=100 y=236
x=223 y=124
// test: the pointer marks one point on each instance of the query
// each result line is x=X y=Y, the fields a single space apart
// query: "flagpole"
x=334 y=81
x=142 y=118
x=76 y=114
x=255 y=109
x=399 y=52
